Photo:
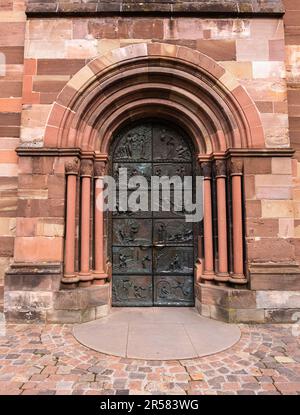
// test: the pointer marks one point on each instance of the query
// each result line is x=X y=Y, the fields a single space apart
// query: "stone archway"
x=158 y=81
x=171 y=80
x=161 y=81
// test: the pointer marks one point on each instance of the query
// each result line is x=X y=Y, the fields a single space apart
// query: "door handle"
x=159 y=245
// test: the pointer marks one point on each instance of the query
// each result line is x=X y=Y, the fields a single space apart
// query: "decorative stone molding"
x=206 y=168
x=236 y=167
x=221 y=168
x=57 y=8
x=72 y=166
x=99 y=168
x=86 y=168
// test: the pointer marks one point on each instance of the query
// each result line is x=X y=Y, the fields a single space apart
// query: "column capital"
x=221 y=168
x=99 y=168
x=86 y=168
x=72 y=166
x=206 y=168
x=236 y=167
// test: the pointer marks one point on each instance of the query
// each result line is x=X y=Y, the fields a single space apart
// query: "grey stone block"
x=278 y=299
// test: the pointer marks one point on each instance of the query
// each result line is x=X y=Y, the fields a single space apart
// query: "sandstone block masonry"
x=46 y=43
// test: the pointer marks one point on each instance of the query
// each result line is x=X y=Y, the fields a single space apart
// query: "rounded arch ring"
x=159 y=80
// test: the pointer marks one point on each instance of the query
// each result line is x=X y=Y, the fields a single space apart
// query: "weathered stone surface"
x=92 y=6
x=278 y=299
x=282 y=315
x=249 y=315
x=63 y=316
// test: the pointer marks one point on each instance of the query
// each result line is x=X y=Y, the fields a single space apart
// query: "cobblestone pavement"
x=39 y=359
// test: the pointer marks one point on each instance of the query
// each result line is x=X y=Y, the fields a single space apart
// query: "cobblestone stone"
x=263 y=362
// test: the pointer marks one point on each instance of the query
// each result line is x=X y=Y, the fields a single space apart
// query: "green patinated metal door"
x=152 y=251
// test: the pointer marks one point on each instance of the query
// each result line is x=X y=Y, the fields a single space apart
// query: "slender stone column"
x=99 y=273
x=71 y=169
x=222 y=274
x=208 y=273
x=236 y=169
x=86 y=172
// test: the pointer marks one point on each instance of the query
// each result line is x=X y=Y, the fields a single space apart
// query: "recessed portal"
x=152 y=251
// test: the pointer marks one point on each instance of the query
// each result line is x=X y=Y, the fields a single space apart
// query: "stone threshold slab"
x=157 y=334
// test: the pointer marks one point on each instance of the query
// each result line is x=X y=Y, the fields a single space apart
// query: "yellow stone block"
x=277 y=208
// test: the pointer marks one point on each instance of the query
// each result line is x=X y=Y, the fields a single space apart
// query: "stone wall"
x=12 y=34
x=251 y=47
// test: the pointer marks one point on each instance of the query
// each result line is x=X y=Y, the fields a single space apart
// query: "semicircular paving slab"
x=157 y=334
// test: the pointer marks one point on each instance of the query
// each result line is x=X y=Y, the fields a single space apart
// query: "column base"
x=238 y=279
x=85 y=279
x=222 y=277
x=207 y=276
x=70 y=279
x=99 y=278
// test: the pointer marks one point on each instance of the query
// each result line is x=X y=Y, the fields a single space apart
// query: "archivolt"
x=154 y=80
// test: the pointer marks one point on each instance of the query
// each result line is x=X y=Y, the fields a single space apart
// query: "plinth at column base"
x=70 y=279
x=208 y=275
x=85 y=279
x=222 y=277
x=238 y=279
x=99 y=278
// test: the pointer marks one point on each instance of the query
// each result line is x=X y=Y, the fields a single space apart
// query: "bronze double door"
x=152 y=251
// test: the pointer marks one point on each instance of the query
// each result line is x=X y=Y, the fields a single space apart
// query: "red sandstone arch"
x=162 y=80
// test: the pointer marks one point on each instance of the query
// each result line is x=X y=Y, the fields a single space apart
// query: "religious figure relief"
x=175 y=288
x=130 y=289
x=183 y=236
x=175 y=264
x=173 y=147
x=134 y=146
x=128 y=232
x=123 y=261
x=145 y=259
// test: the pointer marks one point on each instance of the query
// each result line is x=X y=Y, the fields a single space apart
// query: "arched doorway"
x=152 y=248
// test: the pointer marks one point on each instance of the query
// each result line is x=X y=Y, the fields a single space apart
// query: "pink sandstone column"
x=222 y=274
x=208 y=273
x=86 y=172
x=237 y=222
x=99 y=273
x=71 y=169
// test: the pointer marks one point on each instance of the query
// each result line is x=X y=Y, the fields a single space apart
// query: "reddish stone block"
x=14 y=55
x=36 y=181
x=56 y=186
x=249 y=186
x=257 y=165
x=10 y=104
x=264 y=106
x=28 y=249
x=26 y=227
x=253 y=208
x=30 y=66
x=276 y=50
x=271 y=250
x=59 y=66
x=147 y=29
x=42 y=165
x=56 y=115
x=10 y=89
x=220 y=50
x=262 y=227
x=6 y=246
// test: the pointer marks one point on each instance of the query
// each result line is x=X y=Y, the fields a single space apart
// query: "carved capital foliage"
x=221 y=168
x=99 y=168
x=86 y=168
x=206 y=169
x=236 y=167
x=72 y=166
